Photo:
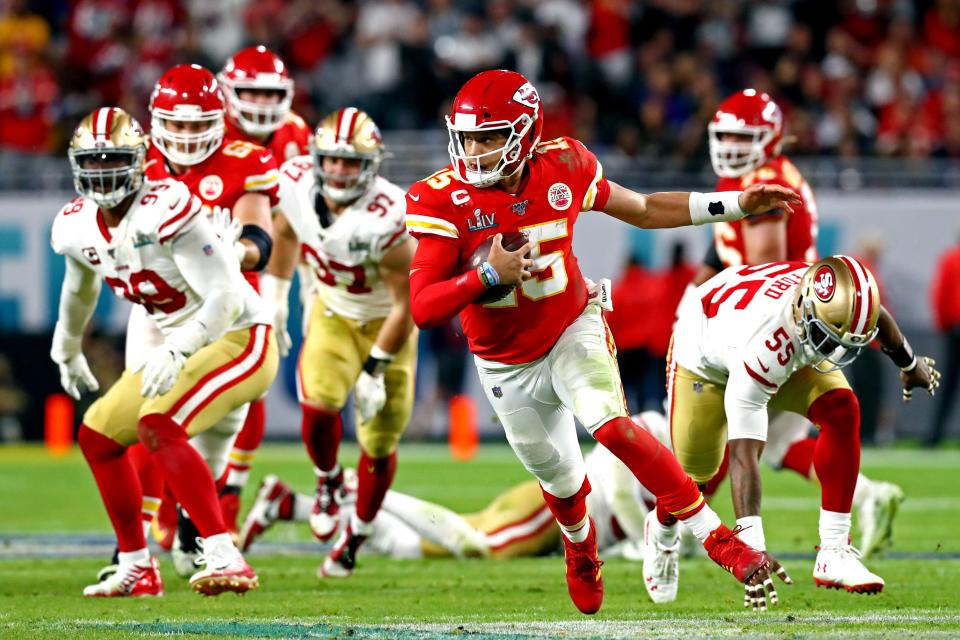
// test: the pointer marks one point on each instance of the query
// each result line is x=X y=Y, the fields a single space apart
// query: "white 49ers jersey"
x=738 y=330
x=345 y=255
x=136 y=258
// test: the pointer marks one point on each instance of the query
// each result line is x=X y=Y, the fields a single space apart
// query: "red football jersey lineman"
x=564 y=178
x=289 y=141
x=236 y=168
x=802 y=222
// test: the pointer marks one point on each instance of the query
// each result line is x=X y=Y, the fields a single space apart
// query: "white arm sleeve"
x=78 y=297
x=745 y=402
x=215 y=276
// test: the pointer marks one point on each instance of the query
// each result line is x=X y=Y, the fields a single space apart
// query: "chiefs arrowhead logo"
x=527 y=96
x=824 y=283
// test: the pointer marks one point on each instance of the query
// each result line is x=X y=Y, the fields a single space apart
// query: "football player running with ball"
x=153 y=246
x=543 y=353
x=773 y=337
x=348 y=224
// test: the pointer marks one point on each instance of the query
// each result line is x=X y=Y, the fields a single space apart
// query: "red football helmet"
x=759 y=121
x=257 y=69
x=186 y=111
x=494 y=100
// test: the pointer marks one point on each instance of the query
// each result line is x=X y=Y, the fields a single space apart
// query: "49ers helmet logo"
x=824 y=283
x=211 y=187
x=527 y=95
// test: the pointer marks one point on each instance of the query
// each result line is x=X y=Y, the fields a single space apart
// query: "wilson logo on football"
x=559 y=196
x=211 y=187
x=824 y=283
x=527 y=96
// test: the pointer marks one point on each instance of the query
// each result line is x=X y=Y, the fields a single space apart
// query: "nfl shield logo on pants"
x=497 y=392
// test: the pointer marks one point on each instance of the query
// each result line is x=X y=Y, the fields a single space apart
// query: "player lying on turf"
x=774 y=336
x=746 y=139
x=151 y=244
x=516 y=523
x=543 y=353
x=347 y=223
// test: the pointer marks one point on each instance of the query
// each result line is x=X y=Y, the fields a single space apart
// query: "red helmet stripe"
x=861 y=312
x=345 y=123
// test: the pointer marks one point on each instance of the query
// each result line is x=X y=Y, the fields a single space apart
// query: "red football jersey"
x=802 y=223
x=563 y=179
x=292 y=139
x=236 y=168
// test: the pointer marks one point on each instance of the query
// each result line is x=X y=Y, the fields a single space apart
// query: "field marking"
x=655 y=626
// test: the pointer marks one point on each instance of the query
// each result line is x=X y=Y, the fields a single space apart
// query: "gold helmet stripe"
x=861 y=311
x=102 y=123
x=346 y=121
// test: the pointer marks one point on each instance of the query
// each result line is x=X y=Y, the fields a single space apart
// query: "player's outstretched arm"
x=914 y=371
x=252 y=211
x=275 y=282
x=679 y=208
x=78 y=299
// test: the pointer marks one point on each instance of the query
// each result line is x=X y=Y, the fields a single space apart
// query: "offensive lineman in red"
x=543 y=352
x=258 y=91
x=237 y=183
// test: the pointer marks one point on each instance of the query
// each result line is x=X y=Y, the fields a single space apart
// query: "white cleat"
x=127 y=581
x=264 y=512
x=841 y=568
x=876 y=515
x=325 y=519
x=225 y=570
x=661 y=563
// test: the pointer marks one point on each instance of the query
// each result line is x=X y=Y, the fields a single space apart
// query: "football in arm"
x=512 y=240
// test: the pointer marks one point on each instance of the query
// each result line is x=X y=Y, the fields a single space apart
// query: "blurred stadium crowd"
x=855 y=77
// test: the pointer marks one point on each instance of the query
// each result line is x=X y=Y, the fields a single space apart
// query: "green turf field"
x=40 y=596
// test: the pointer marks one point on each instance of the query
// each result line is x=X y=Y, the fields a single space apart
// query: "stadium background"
x=870 y=88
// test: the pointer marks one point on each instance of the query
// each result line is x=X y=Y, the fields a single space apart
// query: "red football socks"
x=186 y=473
x=653 y=465
x=572 y=510
x=321 y=432
x=799 y=457
x=247 y=442
x=374 y=477
x=836 y=458
x=118 y=484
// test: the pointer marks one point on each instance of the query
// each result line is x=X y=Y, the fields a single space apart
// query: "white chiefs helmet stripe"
x=101 y=124
x=348 y=118
x=861 y=312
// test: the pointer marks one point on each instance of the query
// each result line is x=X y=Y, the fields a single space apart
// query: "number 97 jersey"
x=345 y=255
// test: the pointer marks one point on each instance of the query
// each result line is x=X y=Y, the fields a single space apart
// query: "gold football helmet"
x=837 y=307
x=107 y=154
x=347 y=133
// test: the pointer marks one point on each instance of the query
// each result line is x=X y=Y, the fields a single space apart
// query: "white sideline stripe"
x=214 y=385
x=525 y=528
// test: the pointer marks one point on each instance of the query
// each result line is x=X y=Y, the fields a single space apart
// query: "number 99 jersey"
x=563 y=179
x=345 y=255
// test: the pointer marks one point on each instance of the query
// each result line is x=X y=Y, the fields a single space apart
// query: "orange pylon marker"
x=58 y=424
x=463 y=437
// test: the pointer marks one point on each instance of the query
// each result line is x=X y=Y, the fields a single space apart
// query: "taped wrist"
x=64 y=345
x=378 y=361
x=188 y=339
x=261 y=240
x=902 y=356
x=752 y=533
x=722 y=206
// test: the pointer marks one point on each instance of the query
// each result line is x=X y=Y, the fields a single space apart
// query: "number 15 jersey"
x=563 y=178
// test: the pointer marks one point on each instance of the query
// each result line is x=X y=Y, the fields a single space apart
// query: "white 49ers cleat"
x=326 y=510
x=226 y=570
x=875 y=517
x=264 y=512
x=343 y=557
x=131 y=580
x=841 y=568
x=661 y=563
